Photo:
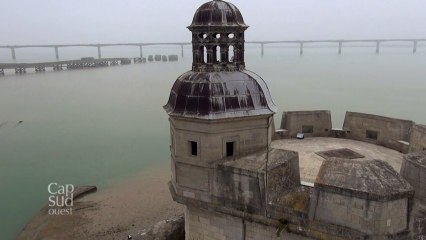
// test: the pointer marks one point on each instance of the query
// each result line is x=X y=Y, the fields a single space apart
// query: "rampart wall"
x=398 y=134
x=418 y=138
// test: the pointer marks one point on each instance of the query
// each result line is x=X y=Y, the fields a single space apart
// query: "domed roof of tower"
x=219 y=95
x=218 y=13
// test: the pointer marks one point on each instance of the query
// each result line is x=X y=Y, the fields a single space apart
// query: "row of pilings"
x=84 y=63
x=162 y=58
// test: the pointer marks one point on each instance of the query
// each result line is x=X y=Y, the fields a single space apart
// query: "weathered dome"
x=218 y=13
x=217 y=95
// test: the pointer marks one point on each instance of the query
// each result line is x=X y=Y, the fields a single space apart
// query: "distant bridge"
x=300 y=43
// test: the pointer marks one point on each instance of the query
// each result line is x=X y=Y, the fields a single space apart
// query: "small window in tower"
x=231 y=35
x=218 y=57
x=308 y=129
x=217 y=35
x=372 y=134
x=231 y=53
x=193 y=146
x=230 y=149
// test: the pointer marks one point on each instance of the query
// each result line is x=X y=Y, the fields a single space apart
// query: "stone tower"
x=218 y=110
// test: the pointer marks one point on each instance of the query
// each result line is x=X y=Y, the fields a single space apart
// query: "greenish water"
x=99 y=126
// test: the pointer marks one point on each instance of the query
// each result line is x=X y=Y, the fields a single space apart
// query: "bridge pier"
x=99 y=52
x=301 y=48
x=181 y=50
x=262 y=49
x=57 y=53
x=414 y=46
x=377 y=47
x=1 y=71
x=12 y=51
x=140 y=51
x=340 y=47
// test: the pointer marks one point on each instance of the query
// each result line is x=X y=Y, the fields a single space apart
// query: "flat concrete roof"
x=310 y=162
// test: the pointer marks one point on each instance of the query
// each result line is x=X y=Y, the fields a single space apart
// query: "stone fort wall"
x=418 y=138
x=211 y=225
x=398 y=134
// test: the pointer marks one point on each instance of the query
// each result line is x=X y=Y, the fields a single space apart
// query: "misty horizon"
x=54 y=22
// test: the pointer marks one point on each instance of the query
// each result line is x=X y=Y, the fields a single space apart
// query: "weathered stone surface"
x=311 y=123
x=419 y=225
x=389 y=132
x=413 y=169
x=418 y=138
x=367 y=196
x=171 y=229
x=369 y=179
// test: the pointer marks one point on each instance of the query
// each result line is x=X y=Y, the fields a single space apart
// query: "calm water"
x=99 y=126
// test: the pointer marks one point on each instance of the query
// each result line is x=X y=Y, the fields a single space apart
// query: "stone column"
x=57 y=53
x=181 y=50
x=12 y=50
x=99 y=52
x=414 y=46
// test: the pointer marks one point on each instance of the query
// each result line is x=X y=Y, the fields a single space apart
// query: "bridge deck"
x=52 y=64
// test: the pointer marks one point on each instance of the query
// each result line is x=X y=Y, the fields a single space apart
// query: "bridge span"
x=300 y=43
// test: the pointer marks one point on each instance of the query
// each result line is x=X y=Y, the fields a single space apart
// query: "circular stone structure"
x=310 y=153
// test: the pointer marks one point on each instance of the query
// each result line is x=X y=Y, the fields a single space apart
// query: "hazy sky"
x=102 y=21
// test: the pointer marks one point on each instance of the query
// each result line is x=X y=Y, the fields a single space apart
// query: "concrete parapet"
x=413 y=169
x=388 y=132
x=310 y=123
x=418 y=138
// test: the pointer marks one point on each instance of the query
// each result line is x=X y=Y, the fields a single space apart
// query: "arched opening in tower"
x=205 y=54
x=218 y=56
x=231 y=53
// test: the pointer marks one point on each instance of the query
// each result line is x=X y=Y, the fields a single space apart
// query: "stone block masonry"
x=201 y=224
x=388 y=132
x=418 y=138
x=413 y=169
